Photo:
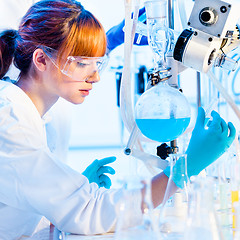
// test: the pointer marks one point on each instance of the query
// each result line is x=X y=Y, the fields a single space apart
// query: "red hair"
x=63 y=25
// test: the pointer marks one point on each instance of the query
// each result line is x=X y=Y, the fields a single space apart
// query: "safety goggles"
x=79 y=68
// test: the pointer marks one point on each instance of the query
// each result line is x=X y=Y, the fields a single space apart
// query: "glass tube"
x=159 y=35
x=173 y=211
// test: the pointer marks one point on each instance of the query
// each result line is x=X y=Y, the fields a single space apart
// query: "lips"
x=85 y=92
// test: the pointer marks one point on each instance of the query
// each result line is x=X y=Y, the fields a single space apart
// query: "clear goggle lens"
x=77 y=66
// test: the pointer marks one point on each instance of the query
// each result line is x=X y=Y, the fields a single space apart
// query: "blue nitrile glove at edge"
x=179 y=176
x=95 y=172
x=115 y=35
x=206 y=144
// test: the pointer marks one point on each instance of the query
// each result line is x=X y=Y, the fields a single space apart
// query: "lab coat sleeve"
x=31 y=179
x=64 y=196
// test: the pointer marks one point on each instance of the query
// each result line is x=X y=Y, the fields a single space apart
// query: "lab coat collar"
x=16 y=95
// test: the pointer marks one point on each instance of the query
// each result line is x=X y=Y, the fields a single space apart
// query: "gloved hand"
x=95 y=172
x=115 y=35
x=206 y=144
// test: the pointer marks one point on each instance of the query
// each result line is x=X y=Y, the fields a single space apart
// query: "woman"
x=59 y=50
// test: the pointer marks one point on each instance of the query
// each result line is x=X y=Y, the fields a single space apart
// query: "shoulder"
x=19 y=119
x=16 y=99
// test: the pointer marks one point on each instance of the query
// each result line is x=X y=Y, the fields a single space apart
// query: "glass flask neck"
x=178 y=172
x=173 y=212
x=178 y=176
x=159 y=76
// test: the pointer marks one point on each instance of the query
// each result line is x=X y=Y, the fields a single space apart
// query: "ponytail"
x=7 y=49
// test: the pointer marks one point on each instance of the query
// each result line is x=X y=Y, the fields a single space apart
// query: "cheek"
x=80 y=74
x=70 y=91
x=55 y=76
x=66 y=87
x=75 y=98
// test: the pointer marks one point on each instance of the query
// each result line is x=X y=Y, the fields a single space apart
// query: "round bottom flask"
x=162 y=113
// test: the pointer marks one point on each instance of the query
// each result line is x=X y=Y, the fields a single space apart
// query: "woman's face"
x=76 y=89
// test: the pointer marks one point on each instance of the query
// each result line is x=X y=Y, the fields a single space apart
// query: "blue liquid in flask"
x=163 y=130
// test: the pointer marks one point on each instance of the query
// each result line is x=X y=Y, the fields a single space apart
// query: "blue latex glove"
x=206 y=144
x=95 y=172
x=115 y=35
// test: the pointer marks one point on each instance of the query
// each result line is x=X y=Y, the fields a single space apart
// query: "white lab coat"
x=58 y=128
x=33 y=183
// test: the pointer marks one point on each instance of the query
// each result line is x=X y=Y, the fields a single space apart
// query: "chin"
x=77 y=101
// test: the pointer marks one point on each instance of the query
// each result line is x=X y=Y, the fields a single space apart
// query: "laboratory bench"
x=53 y=233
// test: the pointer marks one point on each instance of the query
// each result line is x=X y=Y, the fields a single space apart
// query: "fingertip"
x=231 y=126
x=111 y=170
x=215 y=114
x=232 y=129
x=107 y=160
x=106 y=181
x=224 y=126
x=112 y=159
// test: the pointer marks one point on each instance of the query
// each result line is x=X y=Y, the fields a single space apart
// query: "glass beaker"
x=162 y=113
x=235 y=184
x=202 y=221
x=222 y=201
x=173 y=210
x=137 y=220
x=159 y=35
x=236 y=233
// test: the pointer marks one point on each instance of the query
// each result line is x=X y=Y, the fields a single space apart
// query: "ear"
x=39 y=59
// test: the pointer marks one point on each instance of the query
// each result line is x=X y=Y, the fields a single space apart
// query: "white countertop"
x=92 y=237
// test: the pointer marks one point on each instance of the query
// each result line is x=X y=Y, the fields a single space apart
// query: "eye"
x=82 y=64
x=99 y=63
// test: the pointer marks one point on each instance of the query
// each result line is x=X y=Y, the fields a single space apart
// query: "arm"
x=206 y=145
x=115 y=35
x=159 y=185
x=32 y=180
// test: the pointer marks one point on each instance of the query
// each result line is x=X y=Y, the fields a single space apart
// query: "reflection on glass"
x=202 y=221
x=137 y=221
x=159 y=35
x=162 y=113
x=173 y=211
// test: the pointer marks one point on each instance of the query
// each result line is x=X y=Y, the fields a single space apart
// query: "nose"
x=95 y=77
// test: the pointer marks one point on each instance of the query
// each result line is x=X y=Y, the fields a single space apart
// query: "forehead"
x=85 y=41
